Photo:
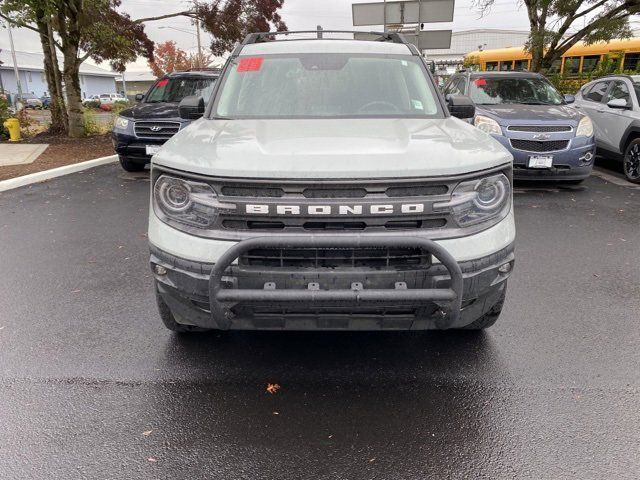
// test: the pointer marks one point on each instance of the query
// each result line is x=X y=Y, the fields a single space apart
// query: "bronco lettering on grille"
x=319 y=210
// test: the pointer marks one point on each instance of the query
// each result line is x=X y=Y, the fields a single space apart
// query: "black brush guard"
x=219 y=295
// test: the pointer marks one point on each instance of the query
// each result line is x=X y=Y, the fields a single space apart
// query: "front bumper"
x=224 y=295
x=132 y=147
x=574 y=163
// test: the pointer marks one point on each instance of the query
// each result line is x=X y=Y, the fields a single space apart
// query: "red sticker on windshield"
x=162 y=83
x=251 y=64
x=481 y=82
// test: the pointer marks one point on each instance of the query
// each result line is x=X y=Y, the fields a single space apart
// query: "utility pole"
x=15 y=63
x=200 y=57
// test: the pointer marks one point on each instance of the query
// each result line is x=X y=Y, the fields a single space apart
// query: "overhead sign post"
x=401 y=14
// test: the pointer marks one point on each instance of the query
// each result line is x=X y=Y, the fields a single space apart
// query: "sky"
x=298 y=14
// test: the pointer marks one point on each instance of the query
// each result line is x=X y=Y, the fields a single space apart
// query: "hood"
x=506 y=114
x=151 y=111
x=331 y=148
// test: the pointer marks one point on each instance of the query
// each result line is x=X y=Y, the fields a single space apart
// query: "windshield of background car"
x=529 y=91
x=173 y=90
x=326 y=85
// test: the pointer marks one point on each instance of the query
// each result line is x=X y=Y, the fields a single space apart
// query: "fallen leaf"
x=152 y=460
x=276 y=413
x=147 y=433
x=372 y=459
x=272 y=388
x=2 y=328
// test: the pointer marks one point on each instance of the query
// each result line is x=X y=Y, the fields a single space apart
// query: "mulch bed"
x=61 y=151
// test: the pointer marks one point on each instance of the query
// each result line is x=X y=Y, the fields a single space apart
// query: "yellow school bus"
x=578 y=59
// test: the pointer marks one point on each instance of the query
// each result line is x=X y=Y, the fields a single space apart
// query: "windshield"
x=326 y=85
x=173 y=90
x=529 y=91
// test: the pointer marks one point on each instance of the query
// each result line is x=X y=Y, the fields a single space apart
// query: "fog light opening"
x=587 y=157
x=506 y=268
x=160 y=270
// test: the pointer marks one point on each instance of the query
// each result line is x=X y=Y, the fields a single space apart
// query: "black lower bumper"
x=225 y=296
x=133 y=148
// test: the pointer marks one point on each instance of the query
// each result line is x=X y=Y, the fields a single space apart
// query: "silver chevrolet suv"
x=329 y=186
x=613 y=105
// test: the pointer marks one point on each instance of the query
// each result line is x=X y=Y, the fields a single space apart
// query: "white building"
x=467 y=41
x=93 y=80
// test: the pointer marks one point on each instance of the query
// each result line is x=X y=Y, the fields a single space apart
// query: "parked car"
x=140 y=131
x=613 y=105
x=111 y=98
x=91 y=99
x=549 y=138
x=31 y=101
x=328 y=186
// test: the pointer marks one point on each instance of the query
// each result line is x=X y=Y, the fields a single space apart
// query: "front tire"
x=129 y=165
x=631 y=161
x=170 y=322
x=491 y=317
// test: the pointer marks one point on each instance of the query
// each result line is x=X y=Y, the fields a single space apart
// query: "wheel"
x=489 y=318
x=129 y=165
x=631 y=161
x=170 y=322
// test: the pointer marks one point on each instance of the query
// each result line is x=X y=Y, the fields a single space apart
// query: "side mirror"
x=461 y=106
x=619 y=103
x=569 y=98
x=139 y=97
x=191 y=108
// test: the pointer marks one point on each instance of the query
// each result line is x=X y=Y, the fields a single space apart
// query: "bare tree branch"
x=185 y=13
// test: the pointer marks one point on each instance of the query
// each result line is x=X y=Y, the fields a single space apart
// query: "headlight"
x=585 y=128
x=185 y=204
x=477 y=201
x=487 y=125
x=121 y=123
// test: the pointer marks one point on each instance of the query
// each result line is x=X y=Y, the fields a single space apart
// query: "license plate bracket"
x=152 y=149
x=540 y=161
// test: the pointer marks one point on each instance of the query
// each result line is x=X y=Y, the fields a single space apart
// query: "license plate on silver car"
x=153 y=149
x=540 y=161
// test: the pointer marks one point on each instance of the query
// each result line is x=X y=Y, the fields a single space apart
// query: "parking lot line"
x=603 y=174
x=38 y=177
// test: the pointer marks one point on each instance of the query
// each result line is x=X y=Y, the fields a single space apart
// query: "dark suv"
x=139 y=132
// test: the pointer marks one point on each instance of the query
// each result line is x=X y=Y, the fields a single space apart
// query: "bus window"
x=555 y=66
x=632 y=61
x=506 y=66
x=492 y=66
x=571 y=65
x=589 y=63
x=521 y=65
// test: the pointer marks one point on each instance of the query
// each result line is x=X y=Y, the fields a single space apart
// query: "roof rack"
x=260 y=37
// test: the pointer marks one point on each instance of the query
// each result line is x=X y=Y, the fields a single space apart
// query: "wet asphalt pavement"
x=92 y=386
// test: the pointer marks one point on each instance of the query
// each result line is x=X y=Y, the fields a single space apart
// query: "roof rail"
x=260 y=37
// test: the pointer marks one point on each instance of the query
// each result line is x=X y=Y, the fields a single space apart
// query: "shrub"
x=4 y=115
x=91 y=125
x=92 y=104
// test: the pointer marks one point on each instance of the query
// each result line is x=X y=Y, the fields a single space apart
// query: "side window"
x=521 y=65
x=619 y=90
x=456 y=87
x=596 y=92
x=571 y=65
x=492 y=66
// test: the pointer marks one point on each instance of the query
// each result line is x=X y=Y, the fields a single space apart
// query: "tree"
x=230 y=21
x=71 y=27
x=37 y=15
x=557 y=25
x=168 y=58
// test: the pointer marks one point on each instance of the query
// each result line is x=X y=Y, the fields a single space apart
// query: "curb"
x=38 y=177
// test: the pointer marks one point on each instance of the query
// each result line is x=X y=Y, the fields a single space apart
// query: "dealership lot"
x=92 y=386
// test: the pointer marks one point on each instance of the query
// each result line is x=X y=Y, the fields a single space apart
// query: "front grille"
x=336 y=258
x=156 y=129
x=540 y=128
x=539 y=146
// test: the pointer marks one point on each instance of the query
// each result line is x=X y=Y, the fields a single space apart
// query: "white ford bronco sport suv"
x=329 y=186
